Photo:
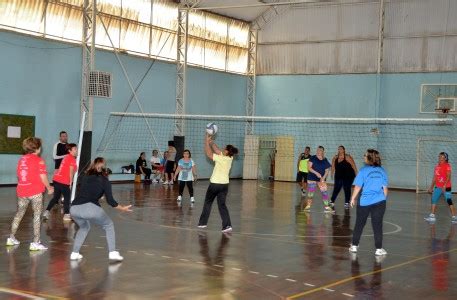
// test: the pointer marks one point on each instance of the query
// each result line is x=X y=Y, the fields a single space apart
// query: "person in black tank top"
x=343 y=172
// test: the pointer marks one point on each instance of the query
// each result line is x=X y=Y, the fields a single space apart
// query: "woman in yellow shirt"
x=219 y=182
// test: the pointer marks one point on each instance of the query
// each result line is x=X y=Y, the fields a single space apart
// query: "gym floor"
x=275 y=251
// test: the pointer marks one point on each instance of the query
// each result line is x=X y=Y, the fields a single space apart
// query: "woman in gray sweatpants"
x=86 y=209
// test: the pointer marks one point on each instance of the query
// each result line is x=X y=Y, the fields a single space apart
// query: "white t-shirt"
x=155 y=160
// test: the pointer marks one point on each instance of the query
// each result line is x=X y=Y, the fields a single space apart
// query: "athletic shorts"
x=437 y=192
x=169 y=168
x=302 y=176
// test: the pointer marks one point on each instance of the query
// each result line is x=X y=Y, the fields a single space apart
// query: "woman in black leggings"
x=343 y=171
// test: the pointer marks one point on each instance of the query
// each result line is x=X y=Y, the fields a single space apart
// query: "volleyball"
x=211 y=128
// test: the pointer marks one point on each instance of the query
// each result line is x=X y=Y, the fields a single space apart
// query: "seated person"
x=157 y=167
x=142 y=167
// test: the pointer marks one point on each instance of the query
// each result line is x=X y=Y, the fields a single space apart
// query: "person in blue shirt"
x=318 y=170
x=371 y=182
x=186 y=173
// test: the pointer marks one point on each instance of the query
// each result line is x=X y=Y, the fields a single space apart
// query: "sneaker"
x=46 y=215
x=454 y=220
x=202 y=226
x=346 y=205
x=353 y=248
x=192 y=200
x=67 y=217
x=227 y=229
x=430 y=218
x=328 y=209
x=11 y=241
x=379 y=252
x=170 y=182
x=75 y=256
x=115 y=256
x=179 y=198
x=37 y=247
x=165 y=182
x=155 y=181
x=303 y=193
x=308 y=207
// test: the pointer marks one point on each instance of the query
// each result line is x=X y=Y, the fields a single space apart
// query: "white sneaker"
x=179 y=198
x=454 y=220
x=11 y=241
x=192 y=200
x=430 y=218
x=165 y=182
x=67 y=217
x=170 y=182
x=75 y=256
x=46 y=215
x=37 y=247
x=353 y=248
x=379 y=252
x=155 y=181
x=227 y=229
x=202 y=226
x=114 y=255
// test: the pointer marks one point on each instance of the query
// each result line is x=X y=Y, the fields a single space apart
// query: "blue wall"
x=356 y=96
x=42 y=78
x=38 y=79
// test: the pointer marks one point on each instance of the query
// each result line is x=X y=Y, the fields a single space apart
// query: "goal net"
x=128 y=134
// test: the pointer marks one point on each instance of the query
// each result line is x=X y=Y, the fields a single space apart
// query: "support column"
x=88 y=62
x=181 y=62
x=251 y=79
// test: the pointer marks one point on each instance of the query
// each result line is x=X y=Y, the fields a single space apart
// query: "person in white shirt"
x=157 y=168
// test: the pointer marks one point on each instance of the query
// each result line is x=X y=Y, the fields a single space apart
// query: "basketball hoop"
x=442 y=112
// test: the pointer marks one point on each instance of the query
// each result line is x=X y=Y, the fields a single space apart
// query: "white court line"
x=150 y=254
x=291 y=280
x=219 y=266
x=272 y=276
x=236 y=269
x=308 y=284
x=17 y=293
x=183 y=259
x=397 y=229
x=253 y=272
x=328 y=290
x=200 y=262
x=131 y=251
x=98 y=247
x=164 y=256
x=348 y=295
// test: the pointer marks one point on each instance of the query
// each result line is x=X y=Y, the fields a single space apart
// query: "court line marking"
x=346 y=294
x=28 y=294
x=348 y=279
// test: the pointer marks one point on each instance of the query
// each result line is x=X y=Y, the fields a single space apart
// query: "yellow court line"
x=366 y=274
x=19 y=292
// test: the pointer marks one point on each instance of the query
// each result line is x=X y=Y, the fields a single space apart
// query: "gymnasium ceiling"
x=251 y=13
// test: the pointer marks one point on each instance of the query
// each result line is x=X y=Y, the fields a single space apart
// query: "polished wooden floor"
x=275 y=251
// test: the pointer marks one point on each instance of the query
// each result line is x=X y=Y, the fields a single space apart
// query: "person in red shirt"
x=32 y=181
x=62 y=181
x=441 y=185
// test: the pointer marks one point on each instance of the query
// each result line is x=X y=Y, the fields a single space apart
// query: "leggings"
x=220 y=191
x=346 y=184
x=376 y=211
x=312 y=185
x=22 y=204
x=88 y=213
x=190 y=187
x=60 y=189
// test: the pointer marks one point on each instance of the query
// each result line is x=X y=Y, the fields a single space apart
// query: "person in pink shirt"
x=441 y=185
x=32 y=182
x=62 y=180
